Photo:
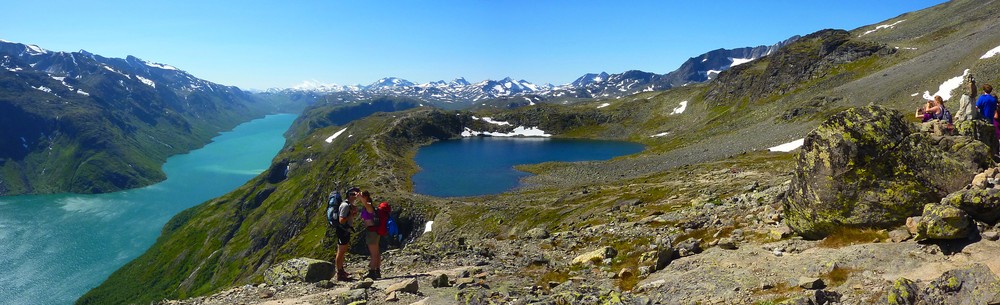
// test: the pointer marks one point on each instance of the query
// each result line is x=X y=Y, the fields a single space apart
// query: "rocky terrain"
x=721 y=237
x=872 y=209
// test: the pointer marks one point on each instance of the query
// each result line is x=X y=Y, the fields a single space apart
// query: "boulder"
x=975 y=284
x=911 y=224
x=441 y=281
x=596 y=256
x=868 y=167
x=902 y=292
x=658 y=259
x=536 y=233
x=409 y=286
x=982 y=204
x=299 y=270
x=942 y=222
x=688 y=247
x=811 y=283
x=899 y=235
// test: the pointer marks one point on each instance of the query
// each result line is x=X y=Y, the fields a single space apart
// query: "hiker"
x=925 y=113
x=346 y=213
x=987 y=105
x=370 y=218
x=940 y=111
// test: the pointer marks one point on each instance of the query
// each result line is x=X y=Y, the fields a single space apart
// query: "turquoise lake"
x=54 y=248
x=485 y=165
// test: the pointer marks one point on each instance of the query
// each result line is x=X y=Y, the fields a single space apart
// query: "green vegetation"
x=722 y=132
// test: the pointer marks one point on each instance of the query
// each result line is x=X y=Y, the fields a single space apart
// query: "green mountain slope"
x=78 y=122
x=770 y=101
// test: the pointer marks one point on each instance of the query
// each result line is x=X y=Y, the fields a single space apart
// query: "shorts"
x=343 y=236
x=371 y=237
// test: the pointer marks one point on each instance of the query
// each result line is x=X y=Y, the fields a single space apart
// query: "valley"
x=704 y=197
x=785 y=174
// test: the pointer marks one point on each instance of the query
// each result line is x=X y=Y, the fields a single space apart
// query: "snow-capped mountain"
x=118 y=118
x=592 y=85
x=707 y=66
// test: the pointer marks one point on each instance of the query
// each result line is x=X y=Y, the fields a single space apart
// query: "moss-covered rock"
x=902 y=292
x=868 y=167
x=981 y=204
x=942 y=222
x=975 y=284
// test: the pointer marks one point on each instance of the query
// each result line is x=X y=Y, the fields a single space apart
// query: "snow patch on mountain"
x=146 y=81
x=947 y=87
x=335 y=135
x=740 y=61
x=603 y=105
x=680 y=108
x=520 y=131
x=660 y=134
x=160 y=66
x=787 y=147
x=883 y=26
x=991 y=53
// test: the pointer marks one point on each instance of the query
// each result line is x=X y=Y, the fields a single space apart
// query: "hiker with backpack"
x=346 y=212
x=935 y=110
x=375 y=220
x=987 y=105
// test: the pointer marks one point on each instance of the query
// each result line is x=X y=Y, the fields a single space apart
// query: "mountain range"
x=702 y=204
x=81 y=122
x=460 y=93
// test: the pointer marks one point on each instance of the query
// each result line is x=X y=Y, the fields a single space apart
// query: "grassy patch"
x=844 y=237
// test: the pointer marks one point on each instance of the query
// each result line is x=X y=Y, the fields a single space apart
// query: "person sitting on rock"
x=925 y=113
x=941 y=112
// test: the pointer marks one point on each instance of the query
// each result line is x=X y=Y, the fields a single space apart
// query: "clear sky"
x=264 y=44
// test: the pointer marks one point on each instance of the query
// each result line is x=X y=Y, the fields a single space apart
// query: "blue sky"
x=264 y=44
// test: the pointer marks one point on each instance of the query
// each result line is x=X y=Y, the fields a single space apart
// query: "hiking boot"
x=374 y=274
x=343 y=276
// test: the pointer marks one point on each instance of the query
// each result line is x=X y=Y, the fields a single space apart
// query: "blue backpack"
x=332 y=213
x=391 y=226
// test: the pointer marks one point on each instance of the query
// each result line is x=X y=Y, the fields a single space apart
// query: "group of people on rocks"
x=359 y=204
x=985 y=107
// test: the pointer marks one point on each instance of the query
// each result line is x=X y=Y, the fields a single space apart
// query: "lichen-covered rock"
x=973 y=285
x=942 y=222
x=982 y=204
x=299 y=270
x=867 y=167
x=902 y=292
x=658 y=259
x=596 y=256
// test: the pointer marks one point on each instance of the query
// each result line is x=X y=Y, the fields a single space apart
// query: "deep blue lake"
x=54 y=248
x=485 y=165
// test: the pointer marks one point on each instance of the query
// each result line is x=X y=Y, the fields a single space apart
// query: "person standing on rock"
x=346 y=213
x=368 y=216
x=987 y=105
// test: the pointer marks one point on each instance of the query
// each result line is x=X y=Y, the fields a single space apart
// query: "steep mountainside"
x=80 y=122
x=651 y=202
x=707 y=66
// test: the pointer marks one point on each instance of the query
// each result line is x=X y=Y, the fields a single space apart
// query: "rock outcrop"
x=299 y=270
x=868 y=167
x=975 y=284
x=942 y=222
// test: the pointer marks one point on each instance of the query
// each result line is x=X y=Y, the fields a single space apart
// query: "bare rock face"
x=869 y=168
